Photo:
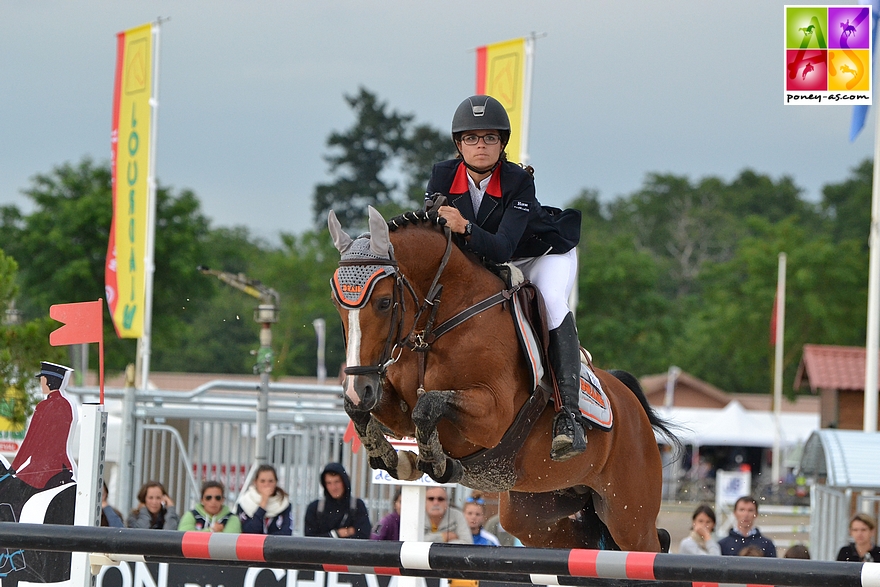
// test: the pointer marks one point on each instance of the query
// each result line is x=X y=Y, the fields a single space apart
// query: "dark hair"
x=797 y=551
x=142 y=493
x=751 y=550
x=263 y=469
x=746 y=499
x=704 y=509
x=213 y=484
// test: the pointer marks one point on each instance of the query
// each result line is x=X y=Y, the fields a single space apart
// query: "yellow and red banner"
x=501 y=71
x=125 y=273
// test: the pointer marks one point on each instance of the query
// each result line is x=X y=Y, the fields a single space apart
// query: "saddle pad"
x=593 y=402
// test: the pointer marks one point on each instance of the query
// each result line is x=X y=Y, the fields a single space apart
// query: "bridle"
x=418 y=339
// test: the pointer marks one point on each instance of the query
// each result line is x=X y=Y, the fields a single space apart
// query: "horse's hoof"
x=406 y=466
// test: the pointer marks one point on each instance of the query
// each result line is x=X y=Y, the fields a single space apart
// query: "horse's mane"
x=431 y=220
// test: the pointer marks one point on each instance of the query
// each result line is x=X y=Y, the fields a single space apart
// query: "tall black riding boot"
x=569 y=439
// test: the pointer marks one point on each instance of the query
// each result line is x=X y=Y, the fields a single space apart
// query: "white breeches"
x=554 y=276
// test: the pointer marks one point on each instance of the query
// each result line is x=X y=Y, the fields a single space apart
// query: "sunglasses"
x=210 y=497
x=436 y=499
x=478 y=501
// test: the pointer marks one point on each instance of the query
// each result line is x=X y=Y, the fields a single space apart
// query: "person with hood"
x=265 y=508
x=212 y=514
x=339 y=514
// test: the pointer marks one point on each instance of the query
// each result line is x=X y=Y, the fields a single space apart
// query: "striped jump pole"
x=541 y=565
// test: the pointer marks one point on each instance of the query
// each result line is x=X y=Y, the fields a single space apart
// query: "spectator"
x=110 y=516
x=475 y=514
x=212 y=514
x=493 y=526
x=744 y=533
x=155 y=510
x=751 y=550
x=700 y=540
x=798 y=551
x=389 y=527
x=339 y=514
x=862 y=548
x=443 y=523
x=264 y=507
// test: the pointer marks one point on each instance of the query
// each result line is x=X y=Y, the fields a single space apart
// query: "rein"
x=420 y=340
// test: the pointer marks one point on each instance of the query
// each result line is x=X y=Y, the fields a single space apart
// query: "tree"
x=22 y=347
x=725 y=338
x=380 y=145
x=64 y=244
x=847 y=205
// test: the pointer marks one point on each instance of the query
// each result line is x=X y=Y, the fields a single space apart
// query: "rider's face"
x=481 y=155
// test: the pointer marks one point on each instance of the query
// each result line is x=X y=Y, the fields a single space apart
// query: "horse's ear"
x=340 y=237
x=379 y=241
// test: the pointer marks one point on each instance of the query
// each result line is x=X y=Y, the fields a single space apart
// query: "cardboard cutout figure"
x=39 y=487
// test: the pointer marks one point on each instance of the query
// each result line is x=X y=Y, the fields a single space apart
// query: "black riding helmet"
x=481 y=113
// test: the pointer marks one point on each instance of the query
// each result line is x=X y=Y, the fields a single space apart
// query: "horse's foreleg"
x=428 y=411
x=381 y=454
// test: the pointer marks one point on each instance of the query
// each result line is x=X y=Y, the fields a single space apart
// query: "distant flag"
x=125 y=271
x=501 y=73
x=860 y=113
x=82 y=323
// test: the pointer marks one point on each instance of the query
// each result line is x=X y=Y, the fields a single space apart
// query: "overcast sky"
x=250 y=91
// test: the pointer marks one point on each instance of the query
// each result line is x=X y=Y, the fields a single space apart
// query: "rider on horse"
x=511 y=225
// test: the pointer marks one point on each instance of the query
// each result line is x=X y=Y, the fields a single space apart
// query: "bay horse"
x=459 y=394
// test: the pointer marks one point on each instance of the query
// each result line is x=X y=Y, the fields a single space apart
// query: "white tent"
x=736 y=426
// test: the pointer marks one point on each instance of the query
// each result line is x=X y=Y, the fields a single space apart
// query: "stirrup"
x=569 y=439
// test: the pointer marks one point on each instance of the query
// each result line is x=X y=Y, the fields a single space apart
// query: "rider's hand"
x=454 y=220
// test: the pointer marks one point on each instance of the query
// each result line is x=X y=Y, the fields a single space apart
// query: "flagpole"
x=527 y=99
x=873 y=336
x=777 y=372
x=144 y=343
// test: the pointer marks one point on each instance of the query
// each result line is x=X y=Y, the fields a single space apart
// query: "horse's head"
x=369 y=306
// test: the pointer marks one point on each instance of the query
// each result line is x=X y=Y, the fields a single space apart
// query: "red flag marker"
x=83 y=322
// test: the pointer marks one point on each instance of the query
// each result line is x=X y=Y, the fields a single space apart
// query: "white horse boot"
x=569 y=439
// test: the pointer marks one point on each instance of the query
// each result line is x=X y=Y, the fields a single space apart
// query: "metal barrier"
x=541 y=565
x=183 y=438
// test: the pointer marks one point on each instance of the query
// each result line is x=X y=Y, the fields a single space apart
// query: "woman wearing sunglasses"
x=211 y=514
x=493 y=209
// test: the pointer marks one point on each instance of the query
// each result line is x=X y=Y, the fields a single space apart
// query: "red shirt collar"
x=460 y=182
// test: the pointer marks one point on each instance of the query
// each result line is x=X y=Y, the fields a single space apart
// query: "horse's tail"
x=663 y=426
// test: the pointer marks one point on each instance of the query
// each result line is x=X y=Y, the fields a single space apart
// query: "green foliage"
x=62 y=247
x=379 y=145
x=22 y=347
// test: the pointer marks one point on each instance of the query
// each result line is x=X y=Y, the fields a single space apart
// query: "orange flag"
x=83 y=322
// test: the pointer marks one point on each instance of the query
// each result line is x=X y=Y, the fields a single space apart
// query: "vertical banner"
x=125 y=272
x=501 y=73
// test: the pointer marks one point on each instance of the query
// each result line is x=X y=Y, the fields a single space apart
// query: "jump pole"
x=391 y=557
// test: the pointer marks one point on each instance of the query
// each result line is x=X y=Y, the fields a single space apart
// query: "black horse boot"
x=569 y=439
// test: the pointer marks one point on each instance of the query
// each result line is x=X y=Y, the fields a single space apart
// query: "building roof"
x=692 y=392
x=845 y=458
x=826 y=366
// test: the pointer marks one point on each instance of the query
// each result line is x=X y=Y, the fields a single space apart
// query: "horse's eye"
x=383 y=304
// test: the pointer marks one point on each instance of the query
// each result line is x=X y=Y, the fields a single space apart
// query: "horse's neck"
x=419 y=254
